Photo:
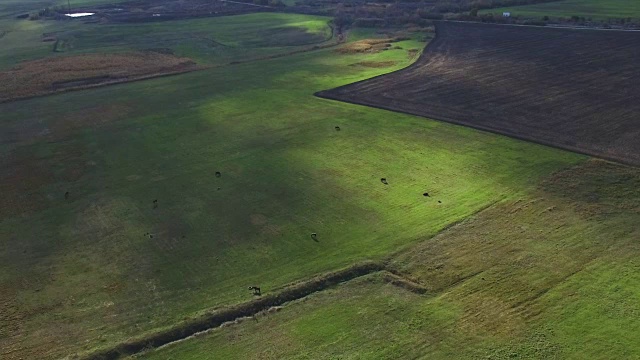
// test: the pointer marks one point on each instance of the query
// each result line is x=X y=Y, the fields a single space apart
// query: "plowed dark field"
x=573 y=89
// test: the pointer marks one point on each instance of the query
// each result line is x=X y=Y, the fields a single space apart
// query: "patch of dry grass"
x=45 y=76
x=375 y=64
x=366 y=46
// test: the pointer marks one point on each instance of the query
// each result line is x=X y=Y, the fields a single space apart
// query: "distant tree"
x=474 y=12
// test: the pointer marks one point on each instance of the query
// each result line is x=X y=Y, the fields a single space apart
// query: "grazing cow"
x=384 y=181
x=218 y=174
x=337 y=128
x=426 y=194
x=256 y=290
x=314 y=236
x=66 y=195
x=155 y=204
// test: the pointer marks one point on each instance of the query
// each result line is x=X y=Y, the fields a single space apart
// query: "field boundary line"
x=426 y=114
x=548 y=26
x=327 y=94
x=488 y=129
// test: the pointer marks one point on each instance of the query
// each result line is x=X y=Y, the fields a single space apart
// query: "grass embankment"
x=267 y=303
x=551 y=275
x=104 y=264
x=594 y=9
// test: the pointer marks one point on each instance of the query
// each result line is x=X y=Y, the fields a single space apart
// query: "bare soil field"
x=46 y=76
x=573 y=89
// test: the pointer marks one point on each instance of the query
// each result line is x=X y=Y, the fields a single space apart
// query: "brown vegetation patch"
x=46 y=76
x=574 y=89
x=98 y=220
x=70 y=158
x=258 y=219
x=403 y=282
x=27 y=131
x=24 y=175
x=375 y=64
x=11 y=316
x=35 y=129
x=272 y=229
x=20 y=179
x=92 y=117
x=171 y=235
x=266 y=227
x=483 y=314
x=598 y=187
x=365 y=46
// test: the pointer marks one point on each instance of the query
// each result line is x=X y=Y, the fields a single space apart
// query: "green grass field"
x=209 y=41
x=550 y=275
x=595 y=9
x=83 y=273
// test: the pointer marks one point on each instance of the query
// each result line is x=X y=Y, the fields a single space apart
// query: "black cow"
x=256 y=290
